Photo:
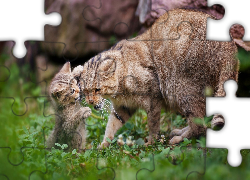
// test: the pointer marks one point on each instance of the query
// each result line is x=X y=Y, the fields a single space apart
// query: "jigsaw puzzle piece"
x=188 y=58
x=225 y=138
x=22 y=71
x=105 y=172
x=187 y=161
x=237 y=33
x=137 y=162
x=22 y=143
x=4 y=73
x=123 y=26
x=22 y=113
x=28 y=26
x=188 y=52
x=217 y=166
x=167 y=26
x=235 y=12
x=92 y=22
x=73 y=28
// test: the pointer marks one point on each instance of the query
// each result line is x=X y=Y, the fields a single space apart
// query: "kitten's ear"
x=107 y=66
x=66 y=68
x=56 y=93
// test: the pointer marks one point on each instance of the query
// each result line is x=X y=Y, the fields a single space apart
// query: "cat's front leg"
x=73 y=121
x=112 y=126
x=116 y=120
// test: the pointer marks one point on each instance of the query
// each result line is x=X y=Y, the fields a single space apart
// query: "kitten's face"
x=100 y=78
x=64 y=88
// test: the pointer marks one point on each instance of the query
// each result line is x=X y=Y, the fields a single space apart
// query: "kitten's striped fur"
x=70 y=126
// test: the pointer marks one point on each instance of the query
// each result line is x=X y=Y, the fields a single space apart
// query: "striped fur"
x=69 y=127
x=169 y=66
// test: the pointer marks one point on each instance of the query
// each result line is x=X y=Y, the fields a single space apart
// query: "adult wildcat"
x=169 y=66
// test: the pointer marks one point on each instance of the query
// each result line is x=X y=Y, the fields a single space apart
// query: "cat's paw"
x=176 y=140
x=103 y=145
x=86 y=112
x=175 y=132
x=179 y=132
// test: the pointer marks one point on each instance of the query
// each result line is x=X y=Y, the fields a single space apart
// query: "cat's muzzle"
x=99 y=106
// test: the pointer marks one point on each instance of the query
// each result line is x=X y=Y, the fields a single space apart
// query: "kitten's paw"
x=103 y=145
x=176 y=140
x=86 y=112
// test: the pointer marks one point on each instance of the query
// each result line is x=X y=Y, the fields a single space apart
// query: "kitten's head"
x=64 y=88
x=100 y=77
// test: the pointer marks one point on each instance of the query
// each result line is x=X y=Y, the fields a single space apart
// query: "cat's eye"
x=97 y=90
x=72 y=91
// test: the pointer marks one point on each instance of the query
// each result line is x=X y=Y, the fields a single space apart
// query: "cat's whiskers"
x=105 y=107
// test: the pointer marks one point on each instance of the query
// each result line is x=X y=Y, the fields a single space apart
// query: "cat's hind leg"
x=193 y=107
x=154 y=113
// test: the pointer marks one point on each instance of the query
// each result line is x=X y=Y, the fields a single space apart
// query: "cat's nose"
x=91 y=101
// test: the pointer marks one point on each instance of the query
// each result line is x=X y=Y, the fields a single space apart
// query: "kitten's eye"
x=97 y=90
x=72 y=91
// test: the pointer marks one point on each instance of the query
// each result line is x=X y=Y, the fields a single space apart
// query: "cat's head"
x=100 y=77
x=64 y=88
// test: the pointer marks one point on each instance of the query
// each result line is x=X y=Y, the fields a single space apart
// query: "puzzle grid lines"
x=33 y=109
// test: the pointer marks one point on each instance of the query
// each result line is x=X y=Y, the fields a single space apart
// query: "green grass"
x=29 y=130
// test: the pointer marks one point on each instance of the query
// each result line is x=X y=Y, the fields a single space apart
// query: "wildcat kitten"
x=168 y=66
x=69 y=126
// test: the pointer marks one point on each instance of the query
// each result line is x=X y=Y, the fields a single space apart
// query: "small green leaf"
x=139 y=131
x=186 y=142
x=113 y=141
x=142 y=154
x=198 y=121
x=129 y=125
x=126 y=147
x=208 y=119
x=140 y=141
x=57 y=144
x=109 y=141
x=165 y=151
x=25 y=130
x=202 y=141
x=74 y=151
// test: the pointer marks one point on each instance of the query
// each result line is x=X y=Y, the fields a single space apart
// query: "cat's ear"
x=66 y=68
x=107 y=66
x=56 y=93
